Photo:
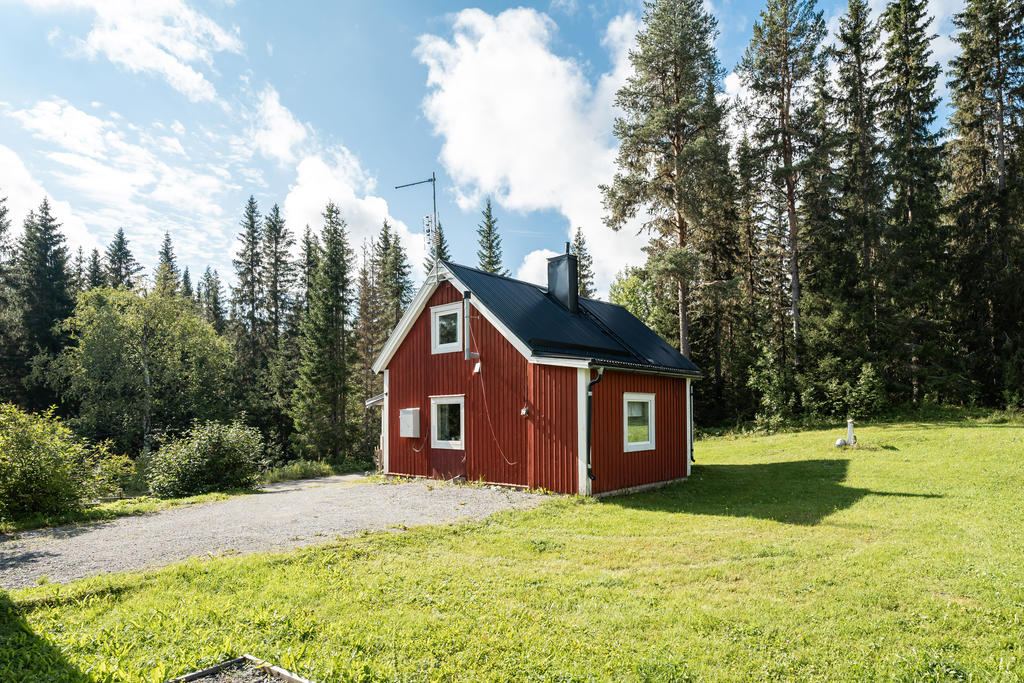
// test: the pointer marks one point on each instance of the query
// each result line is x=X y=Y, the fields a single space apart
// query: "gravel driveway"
x=283 y=516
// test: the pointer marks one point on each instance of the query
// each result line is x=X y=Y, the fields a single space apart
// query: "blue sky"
x=167 y=114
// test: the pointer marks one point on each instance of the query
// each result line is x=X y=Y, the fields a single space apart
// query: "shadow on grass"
x=25 y=656
x=801 y=492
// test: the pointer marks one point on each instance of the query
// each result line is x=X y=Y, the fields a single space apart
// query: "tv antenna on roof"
x=429 y=222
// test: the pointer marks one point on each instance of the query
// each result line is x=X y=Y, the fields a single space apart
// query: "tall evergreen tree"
x=309 y=259
x=367 y=341
x=394 y=282
x=489 y=253
x=984 y=159
x=585 y=264
x=167 y=274
x=186 y=285
x=11 y=330
x=669 y=112
x=277 y=275
x=915 y=274
x=121 y=265
x=212 y=300
x=78 y=275
x=438 y=250
x=778 y=65
x=248 y=293
x=94 y=272
x=862 y=194
x=45 y=290
x=321 y=400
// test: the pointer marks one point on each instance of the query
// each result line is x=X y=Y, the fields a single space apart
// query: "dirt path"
x=283 y=516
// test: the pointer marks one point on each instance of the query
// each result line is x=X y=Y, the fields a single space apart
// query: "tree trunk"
x=683 y=294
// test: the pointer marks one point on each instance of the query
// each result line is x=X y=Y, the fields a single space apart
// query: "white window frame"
x=459 y=400
x=435 y=313
x=648 y=445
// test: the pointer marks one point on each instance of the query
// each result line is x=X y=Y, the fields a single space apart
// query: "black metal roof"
x=603 y=333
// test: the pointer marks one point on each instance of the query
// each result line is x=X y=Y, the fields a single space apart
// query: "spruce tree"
x=45 y=289
x=777 y=67
x=438 y=250
x=367 y=342
x=11 y=330
x=78 y=275
x=321 y=400
x=663 y=132
x=186 y=285
x=121 y=265
x=915 y=272
x=167 y=279
x=277 y=275
x=248 y=293
x=862 y=192
x=394 y=282
x=585 y=264
x=489 y=253
x=309 y=259
x=212 y=300
x=94 y=272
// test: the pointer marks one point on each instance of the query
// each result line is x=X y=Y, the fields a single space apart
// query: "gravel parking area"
x=283 y=516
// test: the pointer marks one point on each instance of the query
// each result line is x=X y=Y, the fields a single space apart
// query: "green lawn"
x=781 y=558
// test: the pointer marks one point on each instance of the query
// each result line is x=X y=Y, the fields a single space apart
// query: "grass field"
x=781 y=558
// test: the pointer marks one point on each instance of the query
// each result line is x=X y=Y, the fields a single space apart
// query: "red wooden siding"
x=553 y=416
x=495 y=432
x=613 y=467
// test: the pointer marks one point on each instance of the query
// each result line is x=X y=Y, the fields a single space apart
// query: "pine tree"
x=277 y=275
x=248 y=293
x=915 y=275
x=585 y=265
x=489 y=253
x=167 y=280
x=438 y=250
x=213 y=300
x=186 y=285
x=121 y=265
x=45 y=288
x=321 y=399
x=984 y=165
x=667 y=120
x=94 y=273
x=778 y=65
x=78 y=276
x=394 y=282
x=862 y=194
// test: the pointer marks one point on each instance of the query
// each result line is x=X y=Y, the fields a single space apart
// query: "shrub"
x=45 y=469
x=209 y=457
x=299 y=469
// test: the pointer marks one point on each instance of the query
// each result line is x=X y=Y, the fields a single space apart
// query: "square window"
x=446 y=328
x=447 y=422
x=637 y=422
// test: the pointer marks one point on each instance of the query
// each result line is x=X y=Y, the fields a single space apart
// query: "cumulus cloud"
x=526 y=126
x=336 y=175
x=167 y=38
x=277 y=132
x=24 y=193
x=534 y=267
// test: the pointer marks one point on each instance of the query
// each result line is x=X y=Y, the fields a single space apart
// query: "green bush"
x=299 y=469
x=45 y=469
x=209 y=457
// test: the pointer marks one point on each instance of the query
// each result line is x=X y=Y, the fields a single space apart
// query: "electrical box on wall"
x=409 y=423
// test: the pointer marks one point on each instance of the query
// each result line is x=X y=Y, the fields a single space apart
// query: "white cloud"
x=336 y=176
x=277 y=132
x=534 y=267
x=162 y=37
x=58 y=122
x=24 y=193
x=526 y=126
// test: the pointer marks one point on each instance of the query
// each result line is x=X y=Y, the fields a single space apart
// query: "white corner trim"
x=436 y=312
x=582 y=379
x=689 y=425
x=452 y=445
x=385 y=419
x=631 y=397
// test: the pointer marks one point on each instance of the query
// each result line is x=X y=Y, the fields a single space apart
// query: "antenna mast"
x=432 y=236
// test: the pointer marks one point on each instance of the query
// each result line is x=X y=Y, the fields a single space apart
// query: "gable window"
x=637 y=422
x=446 y=328
x=447 y=422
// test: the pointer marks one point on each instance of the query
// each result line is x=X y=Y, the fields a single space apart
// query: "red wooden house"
x=505 y=381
